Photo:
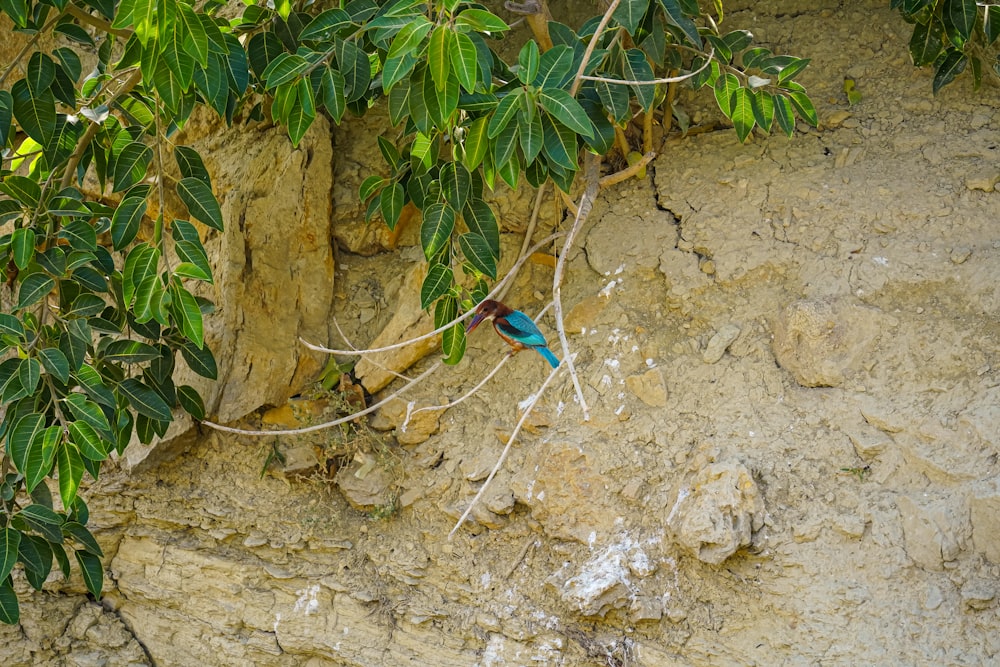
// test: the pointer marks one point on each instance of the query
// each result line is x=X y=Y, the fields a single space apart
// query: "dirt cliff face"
x=790 y=351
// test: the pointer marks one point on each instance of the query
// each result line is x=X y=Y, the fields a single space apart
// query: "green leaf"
x=629 y=14
x=10 y=539
x=80 y=234
x=35 y=114
x=480 y=220
x=92 y=383
x=70 y=471
x=55 y=364
x=126 y=221
x=92 y=570
x=332 y=92
x=130 y=351
x=43 y=520
x=464 y=60
x=793 y=68
x=200 y=201
x=370 y=186
x=480 y=20
x=303 y=114
x=784 y=115
x=456 y=184
x=36 y=555
x=90 y=443
x=355 y=67
x=6 y=115
x=805 y=107
x=453 y=344
x=725 y=87
x=201 y=361
x=22 y=246
x=41 y=73
x=478 y=252
x=438 y=281
x=506 y=144
x=925 y=43
x=79 y=532
x=41 y=454
x=87 y=411
x=141 y=262
x=325 y=24
x=559 y=144
x=284 y=68
x=636 y=68
x=762 y=104
x=743 y=116
x=567 y=111
x=9 y=612
x=436 y=228
x=11 y=325
x=144 y=400
x=191 y=401
x=393 y=199
x=17 y=10
x=554 y=67
x=504 y=112
x=131 y=165
x=476 y=142
x=409 y=38
x=187 y=313
x=948 y=68
x=33 y=289
x=22 y=189
x=438 y=56
x=991 y=25
x=190 y=164
x=677 y=17
x=29 y=371
x=960 y=17
x=396 y=69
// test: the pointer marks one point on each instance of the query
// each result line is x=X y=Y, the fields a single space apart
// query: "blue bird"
x=516 y=328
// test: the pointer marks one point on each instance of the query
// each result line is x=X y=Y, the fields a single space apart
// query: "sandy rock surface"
x=790 y=354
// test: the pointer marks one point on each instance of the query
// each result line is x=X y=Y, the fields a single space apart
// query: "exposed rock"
x=936 y=530
x=605 y=582
x=273 y=282
x=984 y=506
x=978 y=594
x=412 y=422
x=564 y=492
x=649 y=387
x=716 y=511
x=822 y=342
x=408 y=321
x=585 y=314
x=366 y=485
x=720 y=342
x=610 y=252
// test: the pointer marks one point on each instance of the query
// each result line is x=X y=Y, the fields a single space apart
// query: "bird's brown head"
x=487 y=310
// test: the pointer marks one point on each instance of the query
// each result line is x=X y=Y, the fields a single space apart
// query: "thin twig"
x=591 y=171
x=653 y=82
x=578 y=79
x=335 y=422
x=394 y=346
x=506 y=450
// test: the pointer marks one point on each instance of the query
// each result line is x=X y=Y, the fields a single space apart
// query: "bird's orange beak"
x=474 y=322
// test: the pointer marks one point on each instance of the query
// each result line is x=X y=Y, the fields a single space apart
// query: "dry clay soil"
x=789 y=351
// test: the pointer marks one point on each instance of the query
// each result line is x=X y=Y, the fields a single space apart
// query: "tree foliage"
x=950 y=35
x=99 y=283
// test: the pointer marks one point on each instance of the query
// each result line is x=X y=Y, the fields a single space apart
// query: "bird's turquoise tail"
x=549 y=357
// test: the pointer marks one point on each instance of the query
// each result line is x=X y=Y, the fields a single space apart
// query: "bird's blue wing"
x=519 y=326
